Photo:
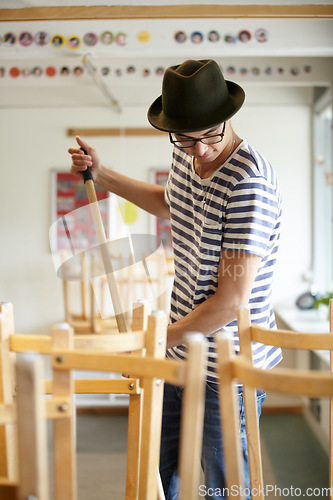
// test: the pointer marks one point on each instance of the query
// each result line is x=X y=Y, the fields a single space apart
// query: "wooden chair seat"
x=153 y=371
x=141 y=354
x=286 y=381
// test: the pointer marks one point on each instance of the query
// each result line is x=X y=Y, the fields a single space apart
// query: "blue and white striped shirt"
x=237 y=209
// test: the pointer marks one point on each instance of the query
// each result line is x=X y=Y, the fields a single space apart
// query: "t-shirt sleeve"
x=251 y=216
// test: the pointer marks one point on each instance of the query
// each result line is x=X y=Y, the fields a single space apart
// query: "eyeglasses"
x=190 y=142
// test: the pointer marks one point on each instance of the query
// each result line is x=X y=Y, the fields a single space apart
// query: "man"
x=223 y=201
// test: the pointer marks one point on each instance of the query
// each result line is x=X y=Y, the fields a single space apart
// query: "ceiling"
x=293 y=52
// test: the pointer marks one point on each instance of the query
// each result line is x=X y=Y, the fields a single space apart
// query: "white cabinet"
x=316 y=411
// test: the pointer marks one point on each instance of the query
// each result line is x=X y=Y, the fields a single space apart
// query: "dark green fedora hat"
x=195 y=96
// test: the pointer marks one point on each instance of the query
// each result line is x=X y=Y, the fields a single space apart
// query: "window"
x=323 y=194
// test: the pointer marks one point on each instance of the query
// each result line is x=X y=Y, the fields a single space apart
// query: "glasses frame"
x=194 y=141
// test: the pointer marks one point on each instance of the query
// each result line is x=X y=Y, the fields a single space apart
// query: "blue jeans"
x=212 y=448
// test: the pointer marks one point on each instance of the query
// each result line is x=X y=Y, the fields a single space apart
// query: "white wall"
x=278 y=122
x=275 y=120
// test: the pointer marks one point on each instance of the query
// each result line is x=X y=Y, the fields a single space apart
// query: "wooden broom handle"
x=102 y=241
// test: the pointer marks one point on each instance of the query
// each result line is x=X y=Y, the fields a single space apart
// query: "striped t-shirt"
x=239 y=209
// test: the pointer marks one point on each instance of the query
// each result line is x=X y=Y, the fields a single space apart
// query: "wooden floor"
x=291 y=455
x=295 y=455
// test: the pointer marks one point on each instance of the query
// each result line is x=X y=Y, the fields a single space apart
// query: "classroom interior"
x=92 y=68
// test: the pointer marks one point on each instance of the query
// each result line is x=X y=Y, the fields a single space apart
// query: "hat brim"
x=159 y=120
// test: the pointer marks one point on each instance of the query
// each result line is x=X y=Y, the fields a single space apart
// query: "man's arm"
x=149 y=197
x=236 y=274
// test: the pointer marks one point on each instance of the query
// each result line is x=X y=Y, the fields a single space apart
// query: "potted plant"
x=322 y=303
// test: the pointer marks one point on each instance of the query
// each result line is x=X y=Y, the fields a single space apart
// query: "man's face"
x=204 y=152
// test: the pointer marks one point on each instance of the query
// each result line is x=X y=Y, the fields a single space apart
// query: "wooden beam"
x=167 y=12
x=119 y=132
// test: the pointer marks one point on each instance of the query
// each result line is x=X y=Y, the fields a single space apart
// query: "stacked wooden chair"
x=85 y=280
x=84 y=316
x=27 y=418
x=240 y=368
x=141 y=354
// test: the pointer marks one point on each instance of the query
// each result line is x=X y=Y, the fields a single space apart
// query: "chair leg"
x=152 y=412
x=229 y=407
x=251 y=410
x=67 y=306
x=192 y=418
x=64 y=432
x=139 y=320
x=8 y=441
x=133 y=446
x=31 y=429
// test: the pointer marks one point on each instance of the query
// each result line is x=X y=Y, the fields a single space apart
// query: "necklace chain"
x=205 y=187
x=232 y=147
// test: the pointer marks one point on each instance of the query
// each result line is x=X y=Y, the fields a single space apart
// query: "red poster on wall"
x=70 y=200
